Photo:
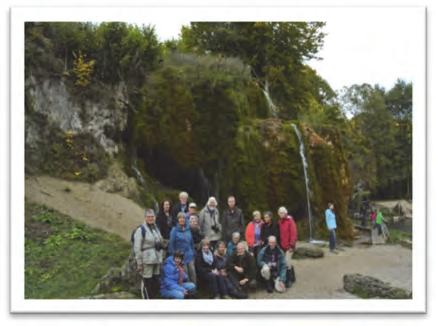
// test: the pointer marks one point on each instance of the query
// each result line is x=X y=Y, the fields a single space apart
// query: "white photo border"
x=154 y=14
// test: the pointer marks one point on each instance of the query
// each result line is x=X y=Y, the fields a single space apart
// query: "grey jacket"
x=144 y=248
x=206 y=221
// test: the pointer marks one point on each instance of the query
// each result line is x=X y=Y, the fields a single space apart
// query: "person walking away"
x=181 y=240
x=271 y=261
x=147 y=248
x=253 y=233
x=175 y=283
x=181 y=206
x=287 y=234
x=231 y=246
x=241 y=268
x=164 y=222
x=210 y=226
x=372 y=216
x=268 y=228
x=208 y=272
x=330 y=219
x=232 y=219
x=379 y=222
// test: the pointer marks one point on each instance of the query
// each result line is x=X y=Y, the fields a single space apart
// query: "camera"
x=215 y=228
x=158 y=246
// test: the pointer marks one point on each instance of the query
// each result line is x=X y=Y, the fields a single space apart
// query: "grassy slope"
x=65 y=258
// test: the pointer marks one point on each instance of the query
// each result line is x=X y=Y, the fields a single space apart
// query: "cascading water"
x=271 y=105
x=306 y=179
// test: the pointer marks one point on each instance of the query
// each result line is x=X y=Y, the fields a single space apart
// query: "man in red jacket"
x=288 y=233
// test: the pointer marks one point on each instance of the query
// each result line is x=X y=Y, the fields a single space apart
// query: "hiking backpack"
x=132 y=236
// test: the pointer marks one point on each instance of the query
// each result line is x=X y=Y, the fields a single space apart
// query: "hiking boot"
x=144 y=292
x=269 y=287
x=334 y=251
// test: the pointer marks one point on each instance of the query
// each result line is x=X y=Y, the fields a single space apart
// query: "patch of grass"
x=65 y=259
x=397 y=236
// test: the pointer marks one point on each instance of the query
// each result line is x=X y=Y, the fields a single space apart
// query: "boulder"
x=120 y=279
x=370 y=287
x=308 y=251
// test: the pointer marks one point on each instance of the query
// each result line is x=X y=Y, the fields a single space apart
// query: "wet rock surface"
x=370 y=287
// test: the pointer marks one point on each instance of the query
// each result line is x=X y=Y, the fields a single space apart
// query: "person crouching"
x=272 y=264
x=174 y=282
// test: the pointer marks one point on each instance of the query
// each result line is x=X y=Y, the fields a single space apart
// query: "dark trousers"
x=332 y=239
x=216 y=283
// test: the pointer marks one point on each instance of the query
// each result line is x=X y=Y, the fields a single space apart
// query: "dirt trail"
x=85 y=202
x=316 y=278
x=322 y=278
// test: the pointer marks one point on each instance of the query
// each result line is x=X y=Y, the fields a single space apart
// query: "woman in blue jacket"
x=174 y=282
x=181 y=240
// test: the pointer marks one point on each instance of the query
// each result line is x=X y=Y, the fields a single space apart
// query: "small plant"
x=67 y=189
x=82 y=70
x=45 y=217
x=79 y=233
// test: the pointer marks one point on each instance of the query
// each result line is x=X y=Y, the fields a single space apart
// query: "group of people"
x=181 y=250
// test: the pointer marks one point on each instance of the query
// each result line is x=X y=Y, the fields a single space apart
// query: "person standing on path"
x=210 y=226
x=232 y=219
x=181 y=240
x=181 y=206
x=147 y=247
x=330 y=219
x=287 y=234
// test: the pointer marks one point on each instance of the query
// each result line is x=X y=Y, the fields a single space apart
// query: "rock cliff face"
x=52 y=99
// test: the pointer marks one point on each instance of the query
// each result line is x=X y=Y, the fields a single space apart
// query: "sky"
x=354 y=52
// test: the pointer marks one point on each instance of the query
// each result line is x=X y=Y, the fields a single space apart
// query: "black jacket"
x=201 y=266
x=177 y=208
x=162 y=224
x=246 y=261
x=232 y=221
x=267 y=230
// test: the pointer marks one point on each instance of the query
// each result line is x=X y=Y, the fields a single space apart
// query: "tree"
x=275 y=51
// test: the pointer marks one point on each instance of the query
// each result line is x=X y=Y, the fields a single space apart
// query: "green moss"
x=65 y=259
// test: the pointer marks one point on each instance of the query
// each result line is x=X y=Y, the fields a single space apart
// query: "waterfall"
x=271 y=105
x=306 y=179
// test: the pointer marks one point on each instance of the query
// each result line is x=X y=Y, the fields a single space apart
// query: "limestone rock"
x=117 y=181
x=124 y=278
x=370 y=287
x=308 y=251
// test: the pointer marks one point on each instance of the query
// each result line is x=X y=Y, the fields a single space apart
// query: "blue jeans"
x=177 y=294
x=332 y=239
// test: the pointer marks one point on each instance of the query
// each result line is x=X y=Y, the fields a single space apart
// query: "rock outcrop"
x=371 y=287
x=308 y=251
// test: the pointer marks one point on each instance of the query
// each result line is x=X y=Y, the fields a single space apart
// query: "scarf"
x=257 y=229
x=181 y=273
x=208 y=257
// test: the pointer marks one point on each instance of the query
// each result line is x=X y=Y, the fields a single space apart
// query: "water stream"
x=271 y=105
x=306 y=180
